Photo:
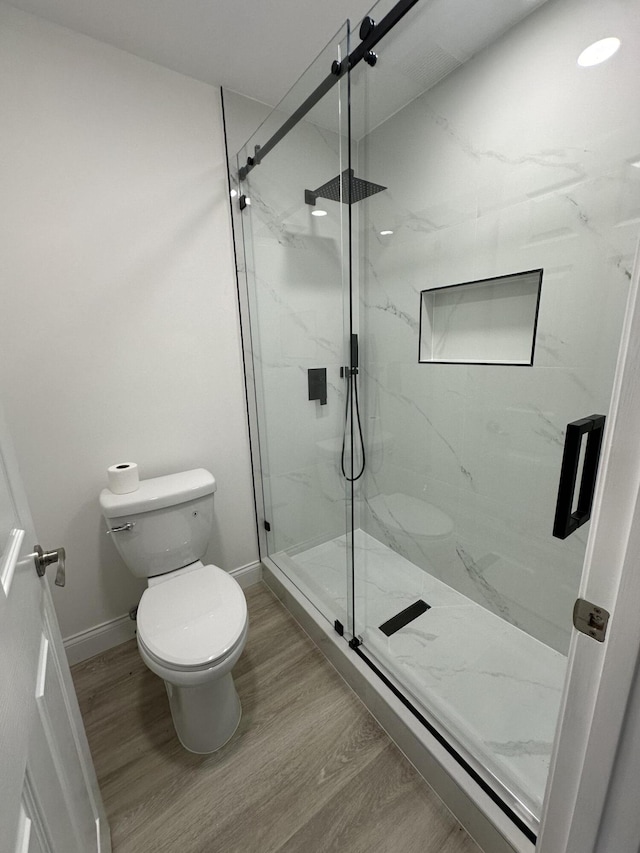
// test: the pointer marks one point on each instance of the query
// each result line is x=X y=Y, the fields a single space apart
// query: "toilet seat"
x=169 y=671
x=194 y=620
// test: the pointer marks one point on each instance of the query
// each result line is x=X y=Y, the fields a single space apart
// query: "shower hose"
x=352 y=399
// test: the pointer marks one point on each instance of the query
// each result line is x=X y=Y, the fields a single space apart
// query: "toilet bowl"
x=192 y=618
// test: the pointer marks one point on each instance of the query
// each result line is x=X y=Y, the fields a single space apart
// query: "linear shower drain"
x=404 y=617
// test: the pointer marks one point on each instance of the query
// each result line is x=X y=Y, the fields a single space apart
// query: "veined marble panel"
x=518 y=160
x=493 y=686
x=492 y=554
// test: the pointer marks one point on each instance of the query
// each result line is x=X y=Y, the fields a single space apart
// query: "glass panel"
x=297 y=299
x=499 y=154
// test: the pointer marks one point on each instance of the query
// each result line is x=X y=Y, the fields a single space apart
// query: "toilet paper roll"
x=123 y=478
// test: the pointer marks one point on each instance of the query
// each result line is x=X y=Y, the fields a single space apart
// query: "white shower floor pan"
x=495 y=688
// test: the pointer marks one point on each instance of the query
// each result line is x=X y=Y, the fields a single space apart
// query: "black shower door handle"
x=567 y=522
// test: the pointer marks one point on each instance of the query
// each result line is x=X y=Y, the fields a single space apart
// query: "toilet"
x=192 y=618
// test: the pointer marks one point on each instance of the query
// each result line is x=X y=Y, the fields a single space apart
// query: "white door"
x=592 y=794
x=49 y=798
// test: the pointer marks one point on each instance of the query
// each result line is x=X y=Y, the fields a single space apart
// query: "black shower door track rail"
x=453 y=752
x=376 y=34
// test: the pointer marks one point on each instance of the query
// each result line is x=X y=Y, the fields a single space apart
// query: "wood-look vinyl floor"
x=309 y=770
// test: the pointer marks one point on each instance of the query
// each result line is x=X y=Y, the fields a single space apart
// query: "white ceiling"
x=255 y=47
x=259 y=48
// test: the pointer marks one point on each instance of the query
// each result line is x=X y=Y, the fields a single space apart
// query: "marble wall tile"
x=508 y=164
x=295 y=268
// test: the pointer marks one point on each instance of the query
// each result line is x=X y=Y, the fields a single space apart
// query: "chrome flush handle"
x=43 y=559
x=122 y=528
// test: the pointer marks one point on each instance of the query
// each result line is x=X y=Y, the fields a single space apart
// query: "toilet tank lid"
x=158 y=493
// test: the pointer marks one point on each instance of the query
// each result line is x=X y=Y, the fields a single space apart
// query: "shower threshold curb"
x=485 y=822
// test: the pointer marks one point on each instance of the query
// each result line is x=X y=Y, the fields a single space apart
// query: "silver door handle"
x=43 y=559
x=128 y=525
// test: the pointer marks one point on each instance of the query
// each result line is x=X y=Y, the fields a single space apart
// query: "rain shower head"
x=344 y=187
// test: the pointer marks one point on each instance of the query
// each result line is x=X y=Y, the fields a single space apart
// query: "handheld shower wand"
x=352 y=401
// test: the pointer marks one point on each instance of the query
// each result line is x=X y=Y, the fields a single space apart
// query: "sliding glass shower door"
x=294 y=233
x=437 y=257
x=493 y=275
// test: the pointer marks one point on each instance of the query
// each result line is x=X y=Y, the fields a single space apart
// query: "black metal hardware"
x=453 y=752
x=404 y=617
x=366 y=27
x=354 y=642
x=338 y=627
x=317 y=382
x=307 y=105
x=267 y=526
x=242 y=201
x=352 y=401
x=354 y=354
x=338 y=69
x=346 y=372
x=567 y=522
x=371 y=58
x=345 y=188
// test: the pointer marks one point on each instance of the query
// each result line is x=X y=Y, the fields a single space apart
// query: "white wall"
x=120 y=336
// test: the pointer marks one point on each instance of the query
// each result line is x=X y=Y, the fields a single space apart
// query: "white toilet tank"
x=170 y=521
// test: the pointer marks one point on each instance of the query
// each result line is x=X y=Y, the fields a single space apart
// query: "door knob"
x=43 y=559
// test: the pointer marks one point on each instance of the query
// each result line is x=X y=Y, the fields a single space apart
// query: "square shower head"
x=344 y=187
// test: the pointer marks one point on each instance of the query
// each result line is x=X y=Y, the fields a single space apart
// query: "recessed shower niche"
x=491 y=321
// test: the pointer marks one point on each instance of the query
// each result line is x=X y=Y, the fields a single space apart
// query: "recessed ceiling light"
x=318 y=212
x=385 y=233
x=598 y=52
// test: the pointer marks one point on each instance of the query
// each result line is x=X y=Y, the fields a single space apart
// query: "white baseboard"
x=94 y=641
x=248 y=575
x=100 y=638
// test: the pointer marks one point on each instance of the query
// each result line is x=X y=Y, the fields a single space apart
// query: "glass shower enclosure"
x=435 y=232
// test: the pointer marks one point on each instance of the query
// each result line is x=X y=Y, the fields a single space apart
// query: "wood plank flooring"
x=308 y=771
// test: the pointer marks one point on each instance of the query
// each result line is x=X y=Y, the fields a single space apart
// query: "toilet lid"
x=405 y=513
x=193 y=619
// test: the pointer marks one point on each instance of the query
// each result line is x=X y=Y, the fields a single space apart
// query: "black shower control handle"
x=317 y=382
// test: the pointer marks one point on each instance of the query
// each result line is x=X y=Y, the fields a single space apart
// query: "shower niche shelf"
x=491 y=321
